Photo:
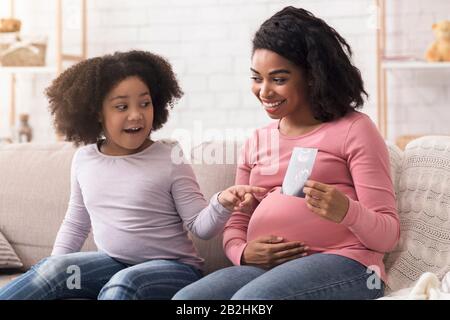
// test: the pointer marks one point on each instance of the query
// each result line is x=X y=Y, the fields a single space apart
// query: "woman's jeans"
x=95 y=275
x=316 y=277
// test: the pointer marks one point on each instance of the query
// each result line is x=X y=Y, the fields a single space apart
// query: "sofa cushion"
x=5 y=278
x=423 y=200
x=8 y=257
x=214 y=164
x=34 y=194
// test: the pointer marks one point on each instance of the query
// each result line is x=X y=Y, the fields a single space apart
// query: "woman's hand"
x=240 y=198
x=269 y=251
x=326 y=201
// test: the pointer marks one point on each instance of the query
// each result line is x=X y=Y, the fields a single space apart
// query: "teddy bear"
x=10 y=25
x=440 y=48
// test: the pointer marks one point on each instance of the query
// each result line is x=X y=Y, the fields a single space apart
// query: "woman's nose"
x=266 y=91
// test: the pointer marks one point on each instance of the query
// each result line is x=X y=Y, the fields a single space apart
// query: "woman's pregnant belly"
x=289 y=217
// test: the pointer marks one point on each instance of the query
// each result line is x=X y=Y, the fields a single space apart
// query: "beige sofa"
x=34 y=190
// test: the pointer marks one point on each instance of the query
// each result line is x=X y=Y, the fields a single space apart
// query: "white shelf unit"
x=28 y=70
x=61 y=57
x=392 y=65
x=386 y=64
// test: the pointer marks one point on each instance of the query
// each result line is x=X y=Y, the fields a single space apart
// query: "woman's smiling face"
x=278 y=84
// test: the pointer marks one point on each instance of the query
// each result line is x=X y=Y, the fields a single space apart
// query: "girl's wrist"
x=218 y=198
x=221 y=202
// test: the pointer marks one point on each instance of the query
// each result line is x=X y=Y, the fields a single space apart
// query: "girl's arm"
x=202 y=219
x=76 y=224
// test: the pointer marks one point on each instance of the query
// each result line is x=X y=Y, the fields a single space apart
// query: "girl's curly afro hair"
x=77 y=95
x=336 y=86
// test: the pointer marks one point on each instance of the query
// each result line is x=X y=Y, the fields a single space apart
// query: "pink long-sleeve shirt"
x=352 y=157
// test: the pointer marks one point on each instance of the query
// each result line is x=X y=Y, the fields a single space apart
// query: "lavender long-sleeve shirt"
x=137 y=206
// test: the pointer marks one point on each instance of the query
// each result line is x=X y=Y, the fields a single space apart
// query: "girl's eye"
x=146 y=104
x=121 y=107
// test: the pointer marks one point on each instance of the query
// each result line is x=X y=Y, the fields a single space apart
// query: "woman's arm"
x=373 y=217
x=76 y=224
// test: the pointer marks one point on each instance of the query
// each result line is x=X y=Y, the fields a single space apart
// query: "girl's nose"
x=135 y=114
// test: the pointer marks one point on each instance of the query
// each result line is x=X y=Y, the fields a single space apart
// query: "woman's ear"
x=308 y=77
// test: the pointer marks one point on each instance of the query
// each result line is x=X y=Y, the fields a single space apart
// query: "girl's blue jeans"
x=95 y=275
x=314 y=277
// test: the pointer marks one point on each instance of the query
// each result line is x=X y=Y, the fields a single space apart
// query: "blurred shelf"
x=389 y=64
x=29 y=70
x=60 y=56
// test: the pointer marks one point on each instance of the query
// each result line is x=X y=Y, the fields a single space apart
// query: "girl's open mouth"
x=133 y=130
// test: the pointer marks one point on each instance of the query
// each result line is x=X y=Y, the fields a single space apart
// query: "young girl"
x=126 y=187
x=329 y=244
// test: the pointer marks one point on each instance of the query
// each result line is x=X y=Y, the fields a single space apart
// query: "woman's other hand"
x=326 y=201
x=269 y=251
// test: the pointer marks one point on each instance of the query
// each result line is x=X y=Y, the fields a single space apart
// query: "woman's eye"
x=146 y=104
x=256 y=79
x=279 y=80
x=121 y=107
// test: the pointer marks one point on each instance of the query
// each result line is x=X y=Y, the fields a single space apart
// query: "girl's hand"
x=269 y=251
x=240 y=198
x=326 y=201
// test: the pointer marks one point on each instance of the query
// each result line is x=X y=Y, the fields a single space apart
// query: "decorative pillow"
x=423 y=200
x=8 y=258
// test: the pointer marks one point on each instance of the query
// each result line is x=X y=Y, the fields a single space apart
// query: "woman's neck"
x=299 y=124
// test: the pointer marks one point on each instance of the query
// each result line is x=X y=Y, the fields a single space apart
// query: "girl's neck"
x=107 y=149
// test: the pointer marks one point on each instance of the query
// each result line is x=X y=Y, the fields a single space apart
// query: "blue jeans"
x=315 y=277
x=95 y=275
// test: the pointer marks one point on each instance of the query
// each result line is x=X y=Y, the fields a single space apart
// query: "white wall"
x=208 y=43
x=418 y=99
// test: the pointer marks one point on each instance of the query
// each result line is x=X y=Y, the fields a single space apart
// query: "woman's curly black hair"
x=336 y=86
x=77 y=95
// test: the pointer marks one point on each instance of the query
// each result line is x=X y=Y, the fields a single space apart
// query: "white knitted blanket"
x=428 y=287
x=422 y=183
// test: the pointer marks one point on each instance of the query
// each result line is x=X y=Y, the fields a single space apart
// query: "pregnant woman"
x=329 y=244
